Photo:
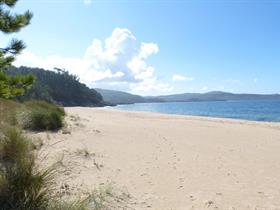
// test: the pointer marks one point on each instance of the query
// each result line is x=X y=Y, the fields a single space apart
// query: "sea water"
x=266 y=110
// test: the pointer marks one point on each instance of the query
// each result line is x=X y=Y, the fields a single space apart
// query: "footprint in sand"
x=181 y=180
x=192 y=198
x=209 y=203
x=96 y=131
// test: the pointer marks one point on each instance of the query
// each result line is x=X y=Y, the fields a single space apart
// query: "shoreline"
x=167 y=161
x=255 y=114
x=195 y=117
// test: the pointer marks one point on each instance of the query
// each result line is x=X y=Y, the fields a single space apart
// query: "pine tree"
x=12 y=86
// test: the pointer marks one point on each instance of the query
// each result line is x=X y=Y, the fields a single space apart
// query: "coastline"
x=200 y=118
x=168 y=161
x=251 y=110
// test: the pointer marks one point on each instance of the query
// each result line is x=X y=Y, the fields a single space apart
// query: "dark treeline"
x=58 y=87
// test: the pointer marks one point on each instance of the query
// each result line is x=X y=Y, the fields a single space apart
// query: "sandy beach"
x=165 y=162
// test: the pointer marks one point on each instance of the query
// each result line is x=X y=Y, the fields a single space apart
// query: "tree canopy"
x=59 y=87
x=11 y=87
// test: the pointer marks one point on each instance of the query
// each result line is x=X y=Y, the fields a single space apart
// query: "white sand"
x=169 y=162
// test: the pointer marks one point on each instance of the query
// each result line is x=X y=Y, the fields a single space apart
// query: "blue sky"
x=157 y=47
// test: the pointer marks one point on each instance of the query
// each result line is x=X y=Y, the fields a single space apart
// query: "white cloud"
x=150 y=84
x=117 y=60
x=148 y=49
x=177 y=77
x=205 y=88
x=87 y=2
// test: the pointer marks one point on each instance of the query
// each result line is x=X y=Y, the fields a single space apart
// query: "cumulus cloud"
x=177 y=77
x=118 y=60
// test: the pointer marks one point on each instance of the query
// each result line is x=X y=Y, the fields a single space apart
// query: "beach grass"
x=23 y=184
x=43 y=116
x=32 y=115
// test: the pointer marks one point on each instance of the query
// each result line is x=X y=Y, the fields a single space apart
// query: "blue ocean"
x=267 y=110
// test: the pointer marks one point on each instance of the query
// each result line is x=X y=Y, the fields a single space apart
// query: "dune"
x=167 y=161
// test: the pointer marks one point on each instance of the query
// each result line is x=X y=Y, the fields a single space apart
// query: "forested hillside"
x=59 y=87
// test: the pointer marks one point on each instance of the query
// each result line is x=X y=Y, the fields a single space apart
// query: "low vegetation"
x=43 y=116
x=32 y=115
x=23 y=185
x=7 y=111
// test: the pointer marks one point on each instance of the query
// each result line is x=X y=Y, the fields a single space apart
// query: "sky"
x=157 y=47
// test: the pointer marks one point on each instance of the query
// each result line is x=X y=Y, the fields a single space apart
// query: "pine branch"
x=16 y=46
x=12 y=86
x=13 y=23
x=9 y=3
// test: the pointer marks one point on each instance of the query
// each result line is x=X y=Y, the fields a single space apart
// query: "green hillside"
x=58 y=87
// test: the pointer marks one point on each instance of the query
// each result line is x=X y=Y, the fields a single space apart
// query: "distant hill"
x=58 y=87
x=215 y=96
x=119 y=97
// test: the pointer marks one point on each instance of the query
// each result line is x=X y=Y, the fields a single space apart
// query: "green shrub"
x=22 y=186
x=45 y=105
x=7 y=111
x=43 y=116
